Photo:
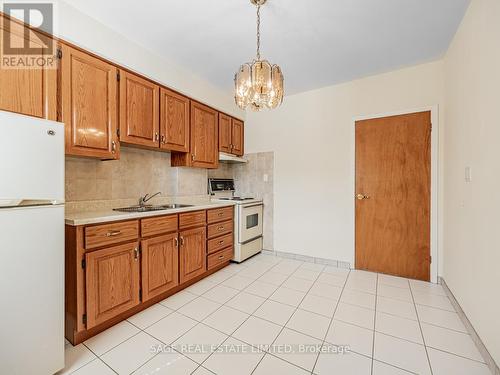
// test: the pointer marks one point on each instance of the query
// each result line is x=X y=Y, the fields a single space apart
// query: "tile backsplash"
x=136 y=173
x=143 y=171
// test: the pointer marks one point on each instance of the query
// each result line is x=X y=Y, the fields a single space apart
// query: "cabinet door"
x=237 y=137
x=139 y=112
x=204 y=136
x=160 y=270
x=224 y=133
x=30 y=91
x=192 y=253
x=174 y=121
x=112 y=277
x=89 y=100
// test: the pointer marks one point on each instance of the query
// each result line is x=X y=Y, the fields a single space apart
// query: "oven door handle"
x=253 y=205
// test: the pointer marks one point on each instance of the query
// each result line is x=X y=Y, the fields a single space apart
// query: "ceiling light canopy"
x=258 y=84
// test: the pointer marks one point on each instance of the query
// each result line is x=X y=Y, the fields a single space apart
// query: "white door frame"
x=434 y=178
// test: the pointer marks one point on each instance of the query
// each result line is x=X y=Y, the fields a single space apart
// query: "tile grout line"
x=421 y=331
x=374 y=323
x=283 y=327
x=251 y=315
x=331 y=320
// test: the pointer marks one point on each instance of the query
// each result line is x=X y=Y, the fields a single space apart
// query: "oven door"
x=250 y=222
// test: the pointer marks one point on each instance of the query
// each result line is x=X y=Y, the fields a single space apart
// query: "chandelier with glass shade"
x=258 y=84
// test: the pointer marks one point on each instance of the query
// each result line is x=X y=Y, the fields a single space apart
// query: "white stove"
x=248 y=215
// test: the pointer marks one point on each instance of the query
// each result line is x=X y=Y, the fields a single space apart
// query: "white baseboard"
x=488 y=359
x=310 y=259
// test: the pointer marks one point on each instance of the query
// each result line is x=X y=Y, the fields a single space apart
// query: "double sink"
x=152 y=208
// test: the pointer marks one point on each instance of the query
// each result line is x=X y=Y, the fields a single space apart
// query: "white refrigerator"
x=31 y=245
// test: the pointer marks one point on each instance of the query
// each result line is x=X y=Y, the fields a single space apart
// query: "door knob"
x=362 y=196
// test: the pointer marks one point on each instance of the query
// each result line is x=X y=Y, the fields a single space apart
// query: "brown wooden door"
x=225 y=133
x=204 y=136
x=89 y=100
x=30 y=91
x=139 y=112
x=237 y=137
x=192 y=253
x=174 y=121
x=112 y=280
x=160 y=267
x=393 y=165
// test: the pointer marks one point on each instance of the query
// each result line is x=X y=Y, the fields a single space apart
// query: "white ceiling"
x=316 y=42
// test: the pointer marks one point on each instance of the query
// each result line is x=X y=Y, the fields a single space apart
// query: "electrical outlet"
x=265 y=177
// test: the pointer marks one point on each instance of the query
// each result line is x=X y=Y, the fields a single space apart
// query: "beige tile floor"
x=272 y=315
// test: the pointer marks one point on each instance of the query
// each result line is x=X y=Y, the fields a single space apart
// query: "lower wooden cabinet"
x=112 y=278
x=114 y=270
x=159 y=262
x=193 y=253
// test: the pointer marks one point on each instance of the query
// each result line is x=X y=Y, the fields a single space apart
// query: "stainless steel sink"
x=151 y=208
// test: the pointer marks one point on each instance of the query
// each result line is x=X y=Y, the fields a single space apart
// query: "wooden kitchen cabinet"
x=237 y=137
x=225 y=133
x=192 y=253
x=89 y=98
x=29 y=91
x=159 y=262
x=174 y=121
x=231 y=133
x=204 y=150
x=112 y=282
x=139 y=112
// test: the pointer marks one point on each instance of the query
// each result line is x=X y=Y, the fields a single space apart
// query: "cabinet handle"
x=113 y=147
x=157 y=137
x=221 y=256
x=163 y=139
x=220 y=214
x=176 y=242
x=221 y=242
x=182 y=241
x=113 y=233
x=136 y=254
x=192 y=157
x=220 y=228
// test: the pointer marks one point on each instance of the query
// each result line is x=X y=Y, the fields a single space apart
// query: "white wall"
x=312 y=137
x=472 y=138
x=82 y=30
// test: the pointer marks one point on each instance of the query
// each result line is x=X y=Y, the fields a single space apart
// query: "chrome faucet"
x=146 y=198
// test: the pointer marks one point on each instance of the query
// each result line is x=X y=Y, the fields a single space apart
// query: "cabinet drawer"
x=192 y=219
x=219 y=229
x=158 y=225
x=219 y=243
x=107 y=234
x=219 y=214
x=220 y=257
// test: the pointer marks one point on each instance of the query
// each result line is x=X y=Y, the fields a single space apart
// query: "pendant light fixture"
x=258 y=84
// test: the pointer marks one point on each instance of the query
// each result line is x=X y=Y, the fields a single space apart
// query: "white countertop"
x=105 y=216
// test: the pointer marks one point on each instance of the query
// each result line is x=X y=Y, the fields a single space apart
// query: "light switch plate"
x=265 y=177
x=468 y=174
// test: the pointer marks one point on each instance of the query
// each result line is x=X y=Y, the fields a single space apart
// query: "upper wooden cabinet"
x=174 y=121
x=89 y=100
x=225 y=133
x=112 y=279
x=204 y=129
x=237 y=137
x=160 y=270
x=30 y=91
x=139 y=112
x=230 y=135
